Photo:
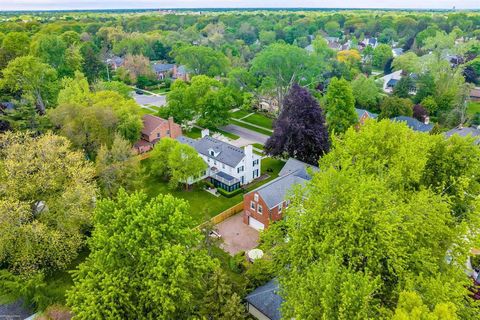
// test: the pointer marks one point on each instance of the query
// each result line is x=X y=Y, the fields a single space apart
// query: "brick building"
x=154 y=129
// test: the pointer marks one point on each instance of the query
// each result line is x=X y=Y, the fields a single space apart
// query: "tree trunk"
x=40 y=105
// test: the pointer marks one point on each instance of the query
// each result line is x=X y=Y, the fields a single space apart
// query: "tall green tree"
x=203 y=60
x=46 y=198
x=117 y=167
x=184 y=163
x=366 y=93
x=381 y=55
x=340 y=106
x=394 y=107
x=145 y=262
x=368 y=229
x=280 y=66
x=13 y=45
x=34 y=80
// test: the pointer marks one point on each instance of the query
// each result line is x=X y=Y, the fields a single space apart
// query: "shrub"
x=231 y=194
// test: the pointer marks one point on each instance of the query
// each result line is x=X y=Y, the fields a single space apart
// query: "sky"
x=123 y=4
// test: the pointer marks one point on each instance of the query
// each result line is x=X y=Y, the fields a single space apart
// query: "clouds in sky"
x=113 y=4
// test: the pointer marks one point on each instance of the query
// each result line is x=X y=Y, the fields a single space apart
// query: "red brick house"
x=154 y=129
x=268 y=202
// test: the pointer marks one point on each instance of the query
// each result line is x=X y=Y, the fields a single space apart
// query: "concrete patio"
x=236 y=235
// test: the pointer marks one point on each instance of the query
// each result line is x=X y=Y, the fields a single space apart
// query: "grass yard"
x=160 y=90
x=146 y=111
x=258 y=146
x=240 y=114
x=253 y=128
x=194 y=133
x=473 y=107
x=203 y=205
x=260 y=120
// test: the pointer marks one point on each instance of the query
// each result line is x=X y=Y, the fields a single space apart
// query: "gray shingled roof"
x=360 y=113
x=15 y=310
x=293 y=173
x=227 y=154
x=463 y=132
x=266 y=300
x=414 y=123
x=162 y=67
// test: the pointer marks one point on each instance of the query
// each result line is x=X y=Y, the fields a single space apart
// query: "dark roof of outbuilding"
x=266 y=300
x=414 y=124
x=465 y=131
x=163 y=67
x=14 y=310
x=361 y=112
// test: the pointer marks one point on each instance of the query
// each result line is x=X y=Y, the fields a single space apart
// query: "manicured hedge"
x=229 y=194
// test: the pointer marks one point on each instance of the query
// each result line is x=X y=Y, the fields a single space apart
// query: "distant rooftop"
x=267 y=300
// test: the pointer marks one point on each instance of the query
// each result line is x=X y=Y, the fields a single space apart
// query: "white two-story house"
x=229 y=167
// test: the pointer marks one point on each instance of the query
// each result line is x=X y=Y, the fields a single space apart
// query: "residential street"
x=247 y=134
x=154 y=100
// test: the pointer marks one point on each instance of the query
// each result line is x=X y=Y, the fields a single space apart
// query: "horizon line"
x=240 y=8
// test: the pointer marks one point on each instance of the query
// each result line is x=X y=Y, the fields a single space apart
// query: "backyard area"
x=204 y=205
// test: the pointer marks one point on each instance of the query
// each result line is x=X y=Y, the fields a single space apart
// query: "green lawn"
x=260 y=120
x=203 y=205
x=240 y=114
x=146 y=111
x=258 y=146
x=194 y=133
x=473 y=107
x=160 y=90
x=247 y=126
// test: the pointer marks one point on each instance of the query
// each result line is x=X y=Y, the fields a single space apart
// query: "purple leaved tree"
x=300 y=130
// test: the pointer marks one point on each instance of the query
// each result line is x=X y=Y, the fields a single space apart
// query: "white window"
x=280 y=207
x=252 y=205
x=260 y=209
x=255 y=197
x=223 y=166
x=212 y=153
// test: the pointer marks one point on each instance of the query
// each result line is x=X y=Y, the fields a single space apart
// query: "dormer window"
x=213 y=153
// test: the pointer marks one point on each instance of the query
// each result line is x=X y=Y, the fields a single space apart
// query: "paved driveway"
x=236 y=235
x=143 y=99
x=247 y=134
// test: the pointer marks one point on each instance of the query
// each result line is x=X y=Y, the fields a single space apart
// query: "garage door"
x=255 y=224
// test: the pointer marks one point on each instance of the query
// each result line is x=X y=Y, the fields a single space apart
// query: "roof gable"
x=150 y=123
x=266 y=300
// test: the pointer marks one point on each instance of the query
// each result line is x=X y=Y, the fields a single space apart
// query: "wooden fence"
x=224 y=215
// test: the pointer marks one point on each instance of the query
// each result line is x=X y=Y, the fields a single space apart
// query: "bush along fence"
x=223 y=216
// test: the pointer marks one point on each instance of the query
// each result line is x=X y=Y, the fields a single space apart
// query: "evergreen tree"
x=300 y=130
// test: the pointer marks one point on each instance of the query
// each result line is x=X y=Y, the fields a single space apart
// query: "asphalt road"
x=144 y=99
x=247 y=134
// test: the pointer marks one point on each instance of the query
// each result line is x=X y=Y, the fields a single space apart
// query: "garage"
x=255 y=224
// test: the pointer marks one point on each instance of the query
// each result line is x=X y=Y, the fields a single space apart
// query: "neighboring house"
x=6 y=106
x=475 y=94
x=163 y=70
x=264 y=302
x=390 y=80
x=15 y=311
x=372 y=42
x=363 y=115
x=465 y=131
x=154 y=129
x=397 y=52
x=268 y=202
x=170 y=71
x=115 y=62
x=229 y=167
x=414 y=124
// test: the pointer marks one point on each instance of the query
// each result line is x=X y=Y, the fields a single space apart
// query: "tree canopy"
x=145 y=262
x=340 y=106
x=370 y=237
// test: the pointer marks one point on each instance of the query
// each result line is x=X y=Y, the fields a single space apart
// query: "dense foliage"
x=374 y=236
